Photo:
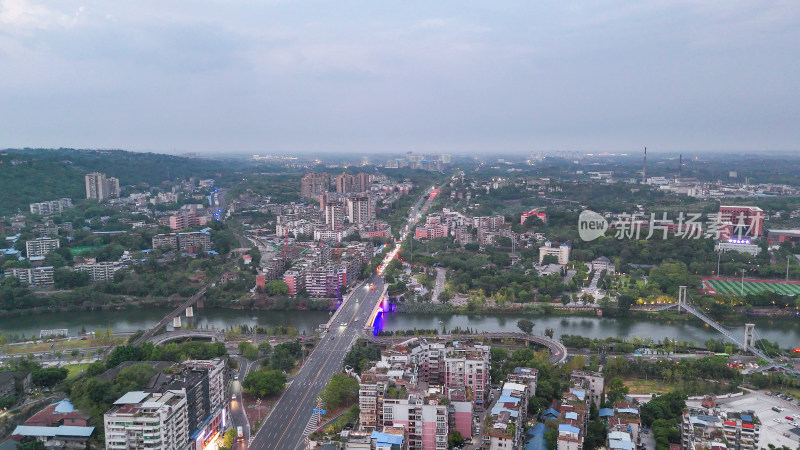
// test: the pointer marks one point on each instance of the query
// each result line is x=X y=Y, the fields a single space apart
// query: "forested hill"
x=34 y=175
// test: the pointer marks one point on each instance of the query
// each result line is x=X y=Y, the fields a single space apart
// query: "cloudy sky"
x=369 y=76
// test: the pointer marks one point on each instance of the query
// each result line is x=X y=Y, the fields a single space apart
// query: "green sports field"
x=732 y=286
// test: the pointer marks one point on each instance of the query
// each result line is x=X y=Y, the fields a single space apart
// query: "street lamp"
x=787 y=267
x=742 y=291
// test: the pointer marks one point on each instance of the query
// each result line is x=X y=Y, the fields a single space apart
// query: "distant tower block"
x=749 y=336
x=176 y=322
x=189 y=312
x=644 y=167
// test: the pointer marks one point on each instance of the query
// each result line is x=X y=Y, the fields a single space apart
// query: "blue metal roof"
x=63 y=430
x=64 y=407
x=606 y=412
x=623 y=445
x=508 y=399
x=550 y=412
x=537 y=438
x=497 y=410
x=386 y=438
x=568 y=428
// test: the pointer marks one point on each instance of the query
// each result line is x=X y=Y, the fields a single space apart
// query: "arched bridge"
x=169 y=336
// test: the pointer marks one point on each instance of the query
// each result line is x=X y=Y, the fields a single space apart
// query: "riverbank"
x=557 y=309
x=252 y=304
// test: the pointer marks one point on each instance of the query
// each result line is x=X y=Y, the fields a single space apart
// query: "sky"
x=461 y=76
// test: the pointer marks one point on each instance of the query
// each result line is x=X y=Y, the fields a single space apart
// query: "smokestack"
x=644 y=167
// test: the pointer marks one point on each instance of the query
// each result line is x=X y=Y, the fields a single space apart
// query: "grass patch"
x=60 y=346
x=75 y=370
x=638 y=386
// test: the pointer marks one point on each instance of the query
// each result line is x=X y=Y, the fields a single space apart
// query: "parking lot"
x=780 y=432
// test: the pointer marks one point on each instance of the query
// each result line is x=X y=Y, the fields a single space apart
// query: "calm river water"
x=786 y=330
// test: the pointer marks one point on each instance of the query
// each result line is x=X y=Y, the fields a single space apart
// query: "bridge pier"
x=200 y=303
x=749 y=336
x=189 y=312
x=681 y=297
x=176 y=322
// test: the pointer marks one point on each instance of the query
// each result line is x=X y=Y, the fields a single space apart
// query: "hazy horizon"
x=463 y=78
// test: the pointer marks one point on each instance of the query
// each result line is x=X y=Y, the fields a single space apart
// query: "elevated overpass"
x=177 y=335
x=558 y=352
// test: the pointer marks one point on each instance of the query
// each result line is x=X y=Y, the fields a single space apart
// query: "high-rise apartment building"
x=345 y=183
x=313 y=184
x=140 y=419
x=295 y=279
x=359 y=209
x=362 y=182
x=183 y=410
x=334 y=216
x=466 y=366
x=100 y=188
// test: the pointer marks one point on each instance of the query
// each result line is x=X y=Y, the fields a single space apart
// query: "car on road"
x=233 y=398
x=344 y=324
x=777 y=420
x=789 y=418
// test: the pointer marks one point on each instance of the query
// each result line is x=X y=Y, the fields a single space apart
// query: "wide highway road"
x=285 y=427
x=287 y=424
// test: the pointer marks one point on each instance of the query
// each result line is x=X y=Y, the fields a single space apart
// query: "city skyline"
x=370 y=78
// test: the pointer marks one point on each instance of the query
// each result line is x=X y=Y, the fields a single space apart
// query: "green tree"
x=264 y=348
x=31 y=443
x=49 y=377
x=617 y=390
x=455 y=439
x=248 y=350
x=549 y=259
x=525 y=325
x=228 y=440
x=262 y=383
x=342 y=390
x=276 y=287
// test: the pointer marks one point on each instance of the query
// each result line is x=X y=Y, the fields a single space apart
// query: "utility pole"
x=718 y=258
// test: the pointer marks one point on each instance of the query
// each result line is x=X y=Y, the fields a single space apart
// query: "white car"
x=777 y=420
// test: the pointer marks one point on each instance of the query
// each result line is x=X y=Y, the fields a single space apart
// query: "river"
x=784 y=330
